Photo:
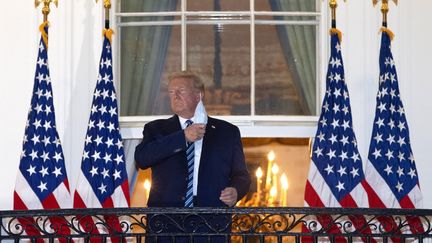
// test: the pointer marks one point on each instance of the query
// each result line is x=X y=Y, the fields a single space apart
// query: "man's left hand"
x=229 y=196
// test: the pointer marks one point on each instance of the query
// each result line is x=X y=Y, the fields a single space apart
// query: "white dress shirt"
x=198 y=149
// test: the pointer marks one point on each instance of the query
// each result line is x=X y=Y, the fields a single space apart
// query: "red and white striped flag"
x=390 y=170
x=103 y=181
x=336 y=174
x=42 y=182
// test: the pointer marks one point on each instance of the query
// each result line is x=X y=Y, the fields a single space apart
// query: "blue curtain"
x=299 y=48
x=143 y=55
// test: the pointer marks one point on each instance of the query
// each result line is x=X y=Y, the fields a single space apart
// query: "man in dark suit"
x=220 y=177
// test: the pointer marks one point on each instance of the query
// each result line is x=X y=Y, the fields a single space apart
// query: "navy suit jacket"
x=222 y=163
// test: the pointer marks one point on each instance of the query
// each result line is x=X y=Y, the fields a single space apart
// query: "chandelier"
x=272 y=193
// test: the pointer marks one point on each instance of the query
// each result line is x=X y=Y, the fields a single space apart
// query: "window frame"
x=250 y=125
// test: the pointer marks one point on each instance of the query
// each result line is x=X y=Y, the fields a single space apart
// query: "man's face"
x=183 y=96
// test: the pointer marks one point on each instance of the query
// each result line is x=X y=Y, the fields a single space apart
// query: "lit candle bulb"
x=273 y=192
x=259 y=174
x=270 y=157
x=284 y=188
x=275 y=171
x=273 y=195
x=147 y=186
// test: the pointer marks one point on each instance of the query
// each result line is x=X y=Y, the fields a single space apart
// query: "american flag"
x=391 y=171
x=103 y=181
x=335 y=173
x=42 y=182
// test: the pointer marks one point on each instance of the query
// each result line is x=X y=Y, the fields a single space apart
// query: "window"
x=258 y=59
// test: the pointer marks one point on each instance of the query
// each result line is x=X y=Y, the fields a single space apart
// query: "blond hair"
x=197 y=81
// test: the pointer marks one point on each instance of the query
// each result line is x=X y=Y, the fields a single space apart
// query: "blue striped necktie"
x=190 y=155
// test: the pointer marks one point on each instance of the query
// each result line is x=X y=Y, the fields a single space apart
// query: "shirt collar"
x=183 y=121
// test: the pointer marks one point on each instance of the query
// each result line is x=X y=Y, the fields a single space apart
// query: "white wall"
x=18 y=51
x=75 y=44
x=411 y=47
x=75 y=37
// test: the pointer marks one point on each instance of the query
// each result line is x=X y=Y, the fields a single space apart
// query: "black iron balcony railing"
x=218 y=225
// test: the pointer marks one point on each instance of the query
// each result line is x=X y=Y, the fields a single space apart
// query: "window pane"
x=149 y=5
x=148 y=55
x=285 y=65
x=286 y=5
x=285 y=57
x=224 y=5
x=298 y=20
x=228 y=80
x=165 y=19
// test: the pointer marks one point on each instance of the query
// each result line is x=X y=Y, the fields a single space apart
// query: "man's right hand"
x=194 y=132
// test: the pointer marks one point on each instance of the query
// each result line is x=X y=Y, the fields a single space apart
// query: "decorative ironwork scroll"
x=235 y=224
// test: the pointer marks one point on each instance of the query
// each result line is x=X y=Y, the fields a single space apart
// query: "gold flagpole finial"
x=333 y=5
x=107 y=3
x=384 y=9
x=46 y=8
x=107 y=6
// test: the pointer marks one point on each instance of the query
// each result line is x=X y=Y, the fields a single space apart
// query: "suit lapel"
x=207 y=140
x=173 y=125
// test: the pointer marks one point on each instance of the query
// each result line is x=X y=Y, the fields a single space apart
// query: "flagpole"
x=107 y=7
x=333 y=5
x=384 y=9
x=50 y=188
x=103 y=180
x=46 y=8
x=391 y=184
x=333 y=30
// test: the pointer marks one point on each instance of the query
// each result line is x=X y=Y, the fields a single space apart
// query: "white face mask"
x=200 y=115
